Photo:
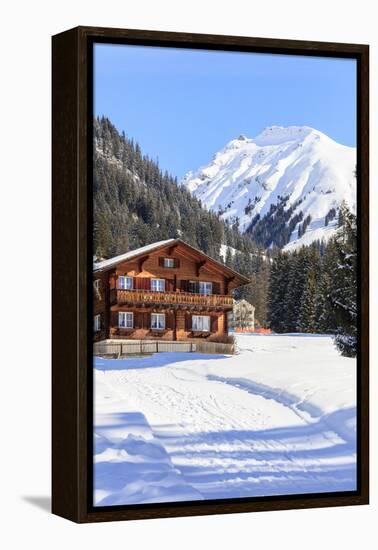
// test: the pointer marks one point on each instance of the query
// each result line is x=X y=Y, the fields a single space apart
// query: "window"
x=125 y=319
x=205 y=288
x=125 y=283
x=158 y=320
x=97 y=322
x=201 y=323
x=169 y=262
x=158 y=285
x=200 y=287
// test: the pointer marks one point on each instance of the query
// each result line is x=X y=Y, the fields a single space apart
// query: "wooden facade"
x=168 y=291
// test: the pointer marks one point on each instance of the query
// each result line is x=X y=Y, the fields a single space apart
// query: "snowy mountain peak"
x=273 y=135
x=295 y=175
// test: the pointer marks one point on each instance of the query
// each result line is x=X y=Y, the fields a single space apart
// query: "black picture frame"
x=72 y=388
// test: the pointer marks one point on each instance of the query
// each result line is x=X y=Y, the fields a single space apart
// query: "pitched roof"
x=104 y=264
x=111 y=262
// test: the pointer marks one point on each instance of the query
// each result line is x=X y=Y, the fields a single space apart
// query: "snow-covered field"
x=278 y=418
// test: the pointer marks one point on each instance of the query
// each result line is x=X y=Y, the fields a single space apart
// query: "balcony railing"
x=167 y=298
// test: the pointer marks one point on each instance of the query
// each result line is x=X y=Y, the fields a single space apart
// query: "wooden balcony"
x=178 y=298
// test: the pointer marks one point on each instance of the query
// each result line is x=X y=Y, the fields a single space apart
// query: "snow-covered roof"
x=104 y=264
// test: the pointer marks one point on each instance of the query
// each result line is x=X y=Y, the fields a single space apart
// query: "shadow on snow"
x=156 y=360
x=171 y=467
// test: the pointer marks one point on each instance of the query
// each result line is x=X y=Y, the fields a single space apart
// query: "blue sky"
x=182 y=106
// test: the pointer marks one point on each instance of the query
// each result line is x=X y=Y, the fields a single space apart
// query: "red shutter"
x=161 y=262
x=142 y=283
x=214 y=323
x=176 y=262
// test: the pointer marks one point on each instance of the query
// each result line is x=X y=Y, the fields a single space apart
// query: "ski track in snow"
x=176 y=429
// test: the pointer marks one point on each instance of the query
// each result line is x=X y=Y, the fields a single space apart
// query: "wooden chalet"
x=166 y=290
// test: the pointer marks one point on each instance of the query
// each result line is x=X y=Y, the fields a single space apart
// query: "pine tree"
x=343 y=296
x=325 y=314
x=277 y=292
x=307 y=312
x=229 y=261
x=102 y=236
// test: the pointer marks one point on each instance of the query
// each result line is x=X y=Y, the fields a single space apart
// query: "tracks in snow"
x=228 y=436
x=233 y=437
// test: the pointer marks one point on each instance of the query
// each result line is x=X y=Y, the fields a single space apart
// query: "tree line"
x=136 y=203
x=314 y=289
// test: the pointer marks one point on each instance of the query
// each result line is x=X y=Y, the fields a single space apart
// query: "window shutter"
x=114 y=318
x=137 y=320
x=216 y=288
x=214 y=323
x=161 y=261
x=169 y=284
x=184 y=286
x=188 y=322
x=142 y=283
x=146 y=320
x=169 y=321
x=176 y=262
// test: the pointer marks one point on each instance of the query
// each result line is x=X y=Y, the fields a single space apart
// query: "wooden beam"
x=227 y=281
x=141 y=261
x=199 y=265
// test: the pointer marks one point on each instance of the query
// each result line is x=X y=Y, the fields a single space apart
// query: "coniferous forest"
x=135 y=203
x=310 y=290
x=314 y=289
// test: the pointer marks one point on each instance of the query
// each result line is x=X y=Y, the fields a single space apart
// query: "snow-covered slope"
x=189 y=426
x=298 y=163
